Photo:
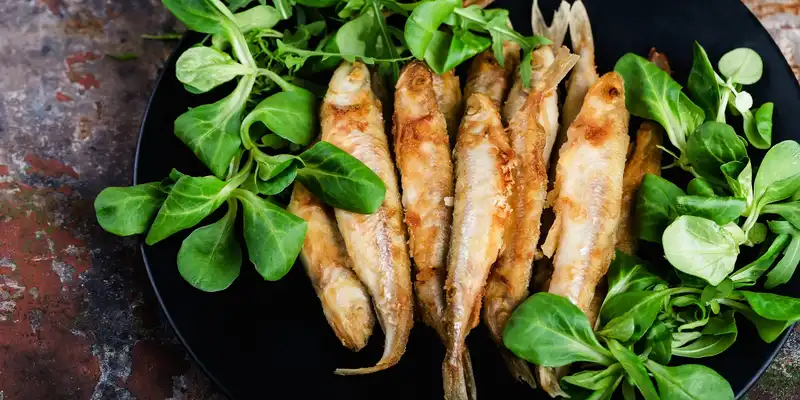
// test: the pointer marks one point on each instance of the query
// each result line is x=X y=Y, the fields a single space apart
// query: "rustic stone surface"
x=78 y=319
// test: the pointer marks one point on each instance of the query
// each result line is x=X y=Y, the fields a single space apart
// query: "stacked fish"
x=473 y=197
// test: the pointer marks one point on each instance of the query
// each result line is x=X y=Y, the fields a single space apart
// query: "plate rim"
x=171 y=60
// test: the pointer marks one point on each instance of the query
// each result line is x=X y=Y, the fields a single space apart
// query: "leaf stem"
x=723 y=105
x=387 y=40
x=285 y=86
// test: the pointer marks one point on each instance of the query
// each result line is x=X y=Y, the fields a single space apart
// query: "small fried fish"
x=351 y=120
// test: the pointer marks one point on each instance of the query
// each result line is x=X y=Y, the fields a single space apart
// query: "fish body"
x=483 y=168
x=509 y=280
x=588 y=195
x=422 y=151
x=351 y=120
x=345 y=301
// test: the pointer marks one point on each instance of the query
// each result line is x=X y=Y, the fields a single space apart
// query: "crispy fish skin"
x=509 y=280
x=484 y=166
x=448 y=96
x=646 y=159
x=588 y=192
x=344 y=299
x=488 y=77
x=422 y=151
x=351 y=120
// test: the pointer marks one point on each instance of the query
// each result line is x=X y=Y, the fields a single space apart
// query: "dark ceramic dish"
x=270 y=340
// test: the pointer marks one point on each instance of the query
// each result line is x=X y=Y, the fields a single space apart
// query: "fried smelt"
x=508 y=283
x=345 y=301
x=484 y=167
x=487 y=76
x=585 y=73
x=422 y=152
x=588 y=194
x=351 y=120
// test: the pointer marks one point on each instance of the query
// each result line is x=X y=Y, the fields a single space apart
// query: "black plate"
x=261 y=339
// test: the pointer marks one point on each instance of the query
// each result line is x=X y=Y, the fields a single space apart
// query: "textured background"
x=78 y=319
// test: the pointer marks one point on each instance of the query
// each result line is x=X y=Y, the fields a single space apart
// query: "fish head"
x=349 y=83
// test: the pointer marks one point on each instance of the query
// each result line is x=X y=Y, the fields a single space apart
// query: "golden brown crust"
x=484 y=165
x=589 y=192
x=345 y=301
x=422 y=152
x=351 y=120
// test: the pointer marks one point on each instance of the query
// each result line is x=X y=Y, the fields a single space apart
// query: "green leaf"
x=773 y=306
x=659 y=340
x=699 y=247
x=291 y=115
x=721 y=210
x=595 y=379
x=274 y=236
x=634 y=368
x=651 y=93
x=550 y=331
x=689 y=382
x=260 y=17
x=126 y=211
x=718 y=335
x=317 y=3
x=778 y=176
x=757 y=234
x=656 y=206
x=749 y=274
x=198 y=15
x=446 y=51
x=702 y=82
x=341 y=180
x=284 y=8
x=210 y=258
x=424 y=22
x=711 y=146
x=739 y=175
x=640 y=307
x=629 y=273
x=204 y=68
x=270 y=166
x=785 y=268
x=760 y=132
x=741 y=65
x=278 y=183
x=700 y=187
x=190 y=200
x=768 y=330
x=212 y=130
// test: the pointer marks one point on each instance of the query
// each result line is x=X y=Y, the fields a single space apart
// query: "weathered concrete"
x=78 y=319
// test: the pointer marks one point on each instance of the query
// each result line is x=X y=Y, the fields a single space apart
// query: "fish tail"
x=580 y=30
x=519 y=368
x=549 y=379
x=557 y=29
x=394 y=348
x=453 y=376
x=563 y=63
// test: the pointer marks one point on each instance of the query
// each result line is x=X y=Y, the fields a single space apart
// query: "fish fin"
x=519 y=368
x=551 y=242
x=454 y=378
x=557 y=29
x=580 y=30
x=563 y=63
x=392 y=352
